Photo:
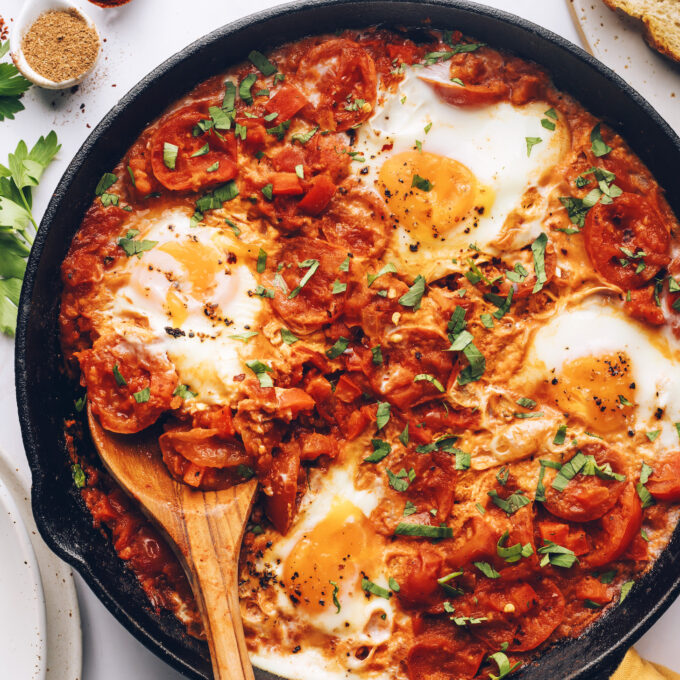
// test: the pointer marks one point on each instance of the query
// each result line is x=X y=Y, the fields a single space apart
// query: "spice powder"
x=60 y=45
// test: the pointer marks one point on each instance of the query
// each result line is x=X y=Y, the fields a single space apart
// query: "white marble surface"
x=138 y=37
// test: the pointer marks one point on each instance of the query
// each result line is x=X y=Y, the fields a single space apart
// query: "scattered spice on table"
x=60 y=45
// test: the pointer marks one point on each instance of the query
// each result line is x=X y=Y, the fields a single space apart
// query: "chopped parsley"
x=335 y=596
x=431 y=379
x=375 y=589
x=377 y=355
x=263 y=65
x=382 y=414
x=381 y=449
x=421 y=183
x=389 y=268
x=311 y=266
x=262 y=372
x=556 y=555
x=538 y=251
x=531 y=143
x=487 y=569
x=261 y=261
x=184 y=392
x=423 y=530
x=597 y=144
x=415 y=294
x=131 y=246
x=142 y=396
x=79 y=478
x=118 y=377
x=511 y=504
x=340 y=345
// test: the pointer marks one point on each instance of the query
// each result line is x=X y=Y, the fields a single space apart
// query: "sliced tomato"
x=613 y=533
x=357 y=220
x=321 y=190
x=339 y=79
x=440 y=657
x=286 y=103
x=191 y=171
x=629 y=222
x=586 y=497
x=346 y=389
x=310 y=307
x=114 y=370
x=664 y=482
x=542 y=618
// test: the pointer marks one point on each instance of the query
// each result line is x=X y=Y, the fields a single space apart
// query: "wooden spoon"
x=205 y=529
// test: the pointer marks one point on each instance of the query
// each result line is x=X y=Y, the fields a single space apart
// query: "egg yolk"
x=199 y=263
x=337 y=549
x=429 y=194
x=599 y=390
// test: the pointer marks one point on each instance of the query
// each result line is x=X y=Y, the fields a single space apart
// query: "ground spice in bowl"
x=60 y=45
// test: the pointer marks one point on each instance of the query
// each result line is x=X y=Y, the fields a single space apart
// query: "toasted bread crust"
x=660 y=21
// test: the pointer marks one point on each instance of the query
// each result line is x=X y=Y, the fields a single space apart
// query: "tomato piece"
x=589 y=588
x=542 y=618
x=283 y=479
x=256 y=135
x=358 y=221
x=191 y=172
x=586 y=497
x=418 y=575
x=469 y=95
x=439 y=657
x=346 y=389
x=642 y=305
x=339 y=79
x=204 y=447
x=314 y=305
x=320 y=192
x=314 y=444
x=285 y=184
x=218 y=419
x=286 y=102
x=629 y=222
x=410 y=352
x=201 y=459
x=141 y=368
x=664 y=482
x=613 y=533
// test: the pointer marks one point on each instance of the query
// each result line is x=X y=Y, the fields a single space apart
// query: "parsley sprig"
x=12 y=86
x=17 y=225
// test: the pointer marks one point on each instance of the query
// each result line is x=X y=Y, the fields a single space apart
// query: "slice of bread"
x=661 y=21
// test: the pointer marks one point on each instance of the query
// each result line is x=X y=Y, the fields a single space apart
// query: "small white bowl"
x=31 y=11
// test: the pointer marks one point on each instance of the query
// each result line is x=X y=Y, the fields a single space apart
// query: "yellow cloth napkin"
x=633 y=667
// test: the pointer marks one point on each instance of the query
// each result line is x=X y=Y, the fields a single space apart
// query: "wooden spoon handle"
x=213 y=538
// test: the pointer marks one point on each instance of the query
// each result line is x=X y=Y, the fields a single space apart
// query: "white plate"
x=22 y=604
x=62 y=642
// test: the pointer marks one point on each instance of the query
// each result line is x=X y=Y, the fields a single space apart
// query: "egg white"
x=598 y=327
x=204 y=354
x=489 y=140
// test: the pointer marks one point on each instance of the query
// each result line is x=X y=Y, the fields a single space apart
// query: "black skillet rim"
x=588 y=657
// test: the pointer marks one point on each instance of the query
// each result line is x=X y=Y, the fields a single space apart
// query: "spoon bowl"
x=30 y=12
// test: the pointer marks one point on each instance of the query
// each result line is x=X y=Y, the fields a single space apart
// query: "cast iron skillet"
x=44 y=396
